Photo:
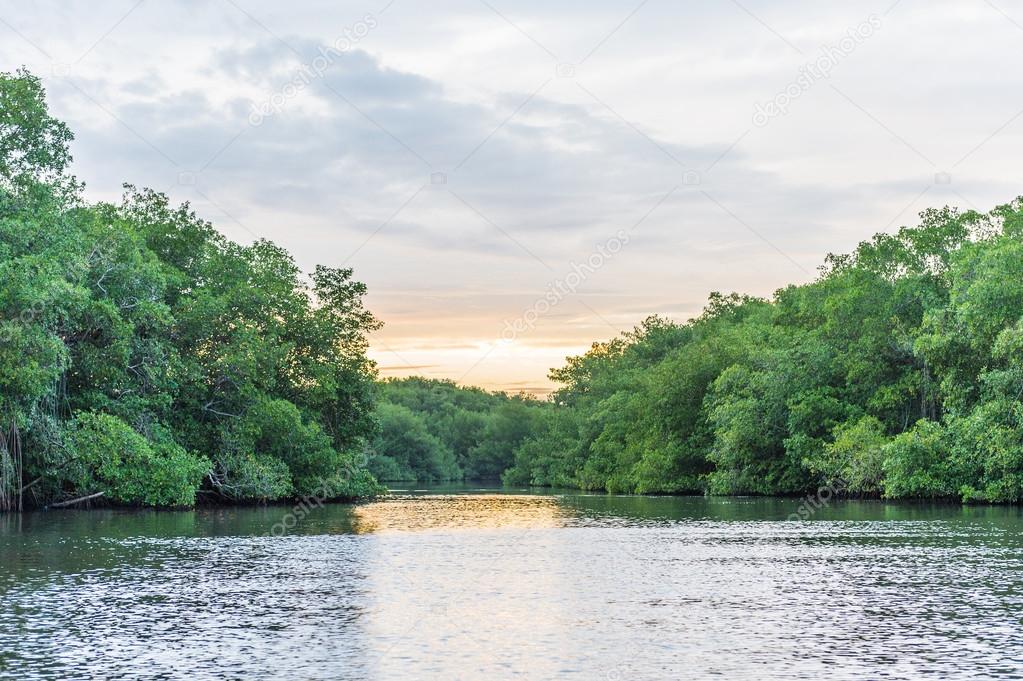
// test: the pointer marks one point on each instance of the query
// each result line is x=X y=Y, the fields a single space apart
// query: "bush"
x=917 y=463
x=988 y=448
x=274 y=452
x=353 y=481
x=855 y=460
x=112 y=458
x=249 y=476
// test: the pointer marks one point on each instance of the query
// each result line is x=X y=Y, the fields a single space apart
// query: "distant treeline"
x=433 y=431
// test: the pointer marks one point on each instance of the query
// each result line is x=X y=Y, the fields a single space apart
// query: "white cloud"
x=164 y=92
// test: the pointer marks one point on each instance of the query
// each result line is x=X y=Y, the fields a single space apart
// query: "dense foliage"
x=146 y=357
x=898 y=372
x=432 y=431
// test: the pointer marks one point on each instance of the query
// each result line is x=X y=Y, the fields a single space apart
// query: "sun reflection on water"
x=459 y=512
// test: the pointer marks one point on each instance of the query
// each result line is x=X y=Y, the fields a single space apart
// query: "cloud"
x=360 y=139
x=343 y=167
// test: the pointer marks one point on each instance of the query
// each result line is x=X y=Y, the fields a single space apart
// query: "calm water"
x=483 y=584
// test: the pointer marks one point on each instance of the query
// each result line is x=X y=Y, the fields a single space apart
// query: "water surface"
x=465 y=583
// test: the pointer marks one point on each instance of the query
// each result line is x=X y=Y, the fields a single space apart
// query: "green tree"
x=215 y=367
x=33 y=144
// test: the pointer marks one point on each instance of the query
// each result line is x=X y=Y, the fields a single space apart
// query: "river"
x=466 y=583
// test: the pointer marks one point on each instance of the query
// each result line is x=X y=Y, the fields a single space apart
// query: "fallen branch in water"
x=62 y=504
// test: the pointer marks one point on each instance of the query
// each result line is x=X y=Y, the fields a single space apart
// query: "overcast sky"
x=514 y=180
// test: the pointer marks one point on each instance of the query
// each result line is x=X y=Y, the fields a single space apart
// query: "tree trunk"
x=11 y=488
x=72 y=502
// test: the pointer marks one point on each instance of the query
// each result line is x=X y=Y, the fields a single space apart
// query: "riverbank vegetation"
x=146 y=359
x=434 y=431
x=897 y=373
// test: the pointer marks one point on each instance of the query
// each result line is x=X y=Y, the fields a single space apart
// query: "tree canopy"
x=898 y=372
x=146 y=357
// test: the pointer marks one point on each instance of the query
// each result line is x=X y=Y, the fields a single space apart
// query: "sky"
x=515 y=180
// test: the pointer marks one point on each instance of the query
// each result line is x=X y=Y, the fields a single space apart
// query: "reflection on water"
x=486 y=584
x=458 y=512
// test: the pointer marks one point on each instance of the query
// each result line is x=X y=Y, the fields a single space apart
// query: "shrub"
x=855 y=460
x=247 y=476
x=988 y=448
x=917 y=463
x=112 y=458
